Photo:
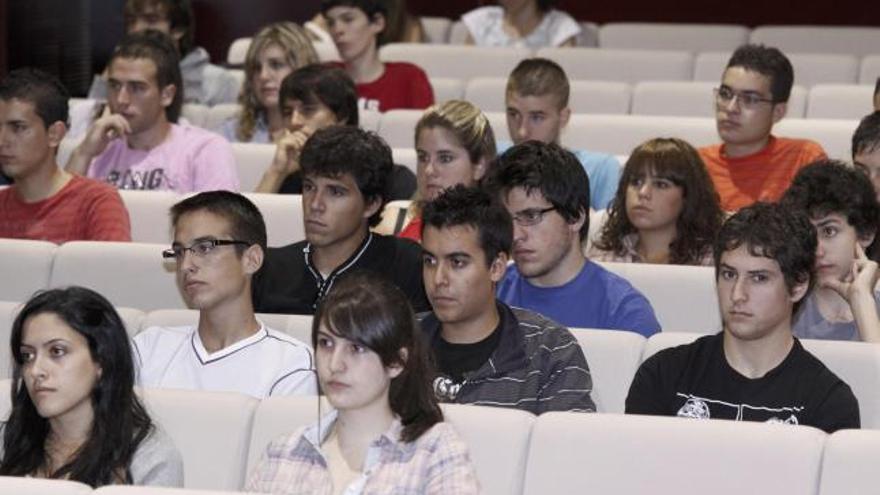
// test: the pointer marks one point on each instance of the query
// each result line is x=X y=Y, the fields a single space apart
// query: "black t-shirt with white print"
x=696 y=381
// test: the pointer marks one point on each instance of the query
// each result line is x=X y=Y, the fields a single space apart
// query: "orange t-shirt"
x=762 y=176
x=83 y=210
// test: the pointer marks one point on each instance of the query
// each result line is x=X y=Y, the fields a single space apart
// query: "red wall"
x=748 y=12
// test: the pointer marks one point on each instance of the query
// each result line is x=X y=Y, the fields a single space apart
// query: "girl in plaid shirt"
x=387 y=433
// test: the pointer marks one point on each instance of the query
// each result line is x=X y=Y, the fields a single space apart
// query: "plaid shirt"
x=436 y=463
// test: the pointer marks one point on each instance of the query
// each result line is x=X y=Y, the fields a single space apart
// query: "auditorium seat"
x=277 y=416
x=666 y=339
x=436 y=29
x=632 y=66
x=8 y=312
x=672 y=36
x=840 y=101
x=694 y=99
x=613 y=357
x=619 y=134
x=629 y=455
x=195 y=114
x=327 y=51
x=834 y=135
x=857 y=364
x=251 y=160
x=128 y=274
x=689 y=304
x=391 y=215
x=218 y=114
x=65 y=149
x=809 y=68
x=237 y=52
x=283 y=214
x=397 y=127
x=132 y=318
x=149 y=213
x=848 y=40
x=447 y=88
x=26 y=267
x=300 y=328
x=849 y=463
x=190 y=317
x=406 y=157
x=870 y=70
x=589 y=34
x=211 y=431
x=458 y=33
x=154 y=490
x=462 y=62
x=489 y=93
x=33 y=486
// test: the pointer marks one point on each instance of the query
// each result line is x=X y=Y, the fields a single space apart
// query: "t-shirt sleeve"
x=214 y=167
x=301 y=380
x=647 y=393
x=563 y=28
x=604 y=180
x=107 y=218
x=635 y=313
x=421 y=93
x=839 y=410
x=157 y=462
x=568 y=383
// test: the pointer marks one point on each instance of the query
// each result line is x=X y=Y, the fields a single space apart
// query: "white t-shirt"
x=485 y=25
x=265 y=364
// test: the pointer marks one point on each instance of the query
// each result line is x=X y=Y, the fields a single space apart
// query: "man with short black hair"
x=45 y=202
x=345 y=173
x=547 y=194
x=139 y=145
x=866 y=148
x=219 y=241
x=751 y=164
x=754 y=369
x=488 y=353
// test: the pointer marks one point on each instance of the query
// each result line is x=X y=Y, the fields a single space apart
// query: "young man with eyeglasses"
x=219 y=241
x=751 y=164
x=547 y=194
x=866 y=148
x=486 y=352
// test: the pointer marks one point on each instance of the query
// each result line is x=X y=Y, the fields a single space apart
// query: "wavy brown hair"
x=701 y=216
x=297 y=45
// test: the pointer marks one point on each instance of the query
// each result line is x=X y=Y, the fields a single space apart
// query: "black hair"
x=830 y=186
x=338 y=150
x=317 y=83
x=368 y=7
x=472 y=207
x=866 y=139
x=245 y=220
x=120 y=421
x=41 y=89
x=365 y=308
x=158 y=48
x=178 y=12
x=549 y=169
x=767 y=61
x=774 y=231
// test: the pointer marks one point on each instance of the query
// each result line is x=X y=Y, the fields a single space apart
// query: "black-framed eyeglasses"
x=532 y=216
x=200 y=248
x=725 y=95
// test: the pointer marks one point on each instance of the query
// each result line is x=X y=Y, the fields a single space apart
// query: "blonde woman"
x=276 y=51
x=455 y=144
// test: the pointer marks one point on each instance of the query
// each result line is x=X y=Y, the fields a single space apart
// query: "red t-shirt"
x=83 y=210
x=762 y=176
x=402 y=85
x=413 y=230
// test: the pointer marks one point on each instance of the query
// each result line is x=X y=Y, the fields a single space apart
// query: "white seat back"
x=300 y=328
x=822 y=68
x=857 y=41
x=458 y=33
x=190 y=317
x=132 y=318
x=406 y=157
x=613 y=357
x=619 y=134
x=840 y=101
x=218 y=114
x=672 y=36
x=238 y=51
x=857 y=364
x=835 y=136
x=870 y=70
x=128 y=274
x=251 y=160
x=682 y=99
x=462 y=62
x=683 y=297
x=149 y=212
x=628 y=455
x=397 y=127
x=283 y=214
x=26 y=266
x=211 y=431
x=709 y=66
x=664 y=340
x=629 y=66
x=8 y=312
x=195 y=114
x=589 y=34
x=277 y=416
x=33 y=486
x=154 y=490
x=488 y=93
x=848 y=464
x=436 y=29
x=447 y=88
x=498 y=440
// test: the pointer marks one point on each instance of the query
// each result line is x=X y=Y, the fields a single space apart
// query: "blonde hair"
x=539 y=77
x=466 y=122
x=297 y=46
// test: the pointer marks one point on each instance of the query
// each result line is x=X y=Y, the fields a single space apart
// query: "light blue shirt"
x=602 y=169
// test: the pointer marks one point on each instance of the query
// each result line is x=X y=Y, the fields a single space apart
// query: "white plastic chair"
x=149 y=212
x=26 y=266
x=462 y=62
x=849 y=40
x=618 y=65
x=613 y=357
x=840 y=101
x=672 y=36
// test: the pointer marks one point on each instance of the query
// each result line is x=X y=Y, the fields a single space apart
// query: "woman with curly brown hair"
x=665 y=211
